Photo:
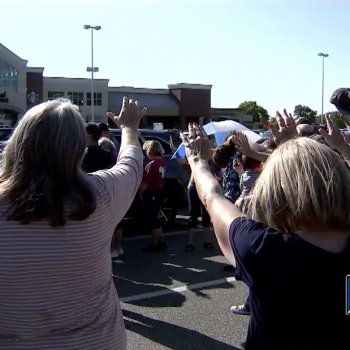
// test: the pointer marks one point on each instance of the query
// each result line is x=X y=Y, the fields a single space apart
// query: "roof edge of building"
x=180 y=86
x=139 y=90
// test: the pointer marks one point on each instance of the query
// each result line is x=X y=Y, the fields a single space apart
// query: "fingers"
x=110 y=115
x=243 y=138
x=143 y=111
x=280 y=120
x=184 y=138
x=274 y=131
x=125 y=103
x=330 y=125
x=323 y=133
x=203 y=132
x=287 y=117
x=290 y=120
x=137 y=105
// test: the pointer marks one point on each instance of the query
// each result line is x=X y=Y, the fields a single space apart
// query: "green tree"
x=253 y=109
x=336 y=119
x=273 y=120
x=306 y=112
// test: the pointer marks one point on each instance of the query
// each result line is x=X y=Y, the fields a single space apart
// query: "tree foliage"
x=337 y=120
x=301 y=111
x=253 y=109
x=273 y=120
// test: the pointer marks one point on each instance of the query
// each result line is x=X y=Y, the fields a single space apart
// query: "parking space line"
x=180 y=289
x=168 y=234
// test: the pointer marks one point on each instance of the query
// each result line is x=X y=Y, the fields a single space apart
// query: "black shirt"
x=297 y=298
x=96 y=159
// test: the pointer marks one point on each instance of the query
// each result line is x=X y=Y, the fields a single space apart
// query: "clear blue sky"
x=248 y=50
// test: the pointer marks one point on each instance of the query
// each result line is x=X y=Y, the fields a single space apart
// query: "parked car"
x=175 y=180
x=5 y=133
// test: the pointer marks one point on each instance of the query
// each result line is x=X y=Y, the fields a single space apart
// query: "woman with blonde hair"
x=57 y=289
x=294 y=251
x=152 y=192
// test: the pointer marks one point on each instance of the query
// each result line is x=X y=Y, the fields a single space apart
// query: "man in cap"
x=341 y=100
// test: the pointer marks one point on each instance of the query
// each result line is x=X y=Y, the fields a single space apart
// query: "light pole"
x=323 y=55
x=92 y=69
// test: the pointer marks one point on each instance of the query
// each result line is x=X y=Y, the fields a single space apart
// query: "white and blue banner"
x=220 y=130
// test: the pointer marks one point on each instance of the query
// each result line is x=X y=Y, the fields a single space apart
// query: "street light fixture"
x=323 y=55
x=92 y=69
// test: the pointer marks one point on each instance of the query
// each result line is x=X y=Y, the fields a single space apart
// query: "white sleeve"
x=119 y=185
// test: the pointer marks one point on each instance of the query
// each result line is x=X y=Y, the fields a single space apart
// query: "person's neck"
x=92 y=144
x=332 y=241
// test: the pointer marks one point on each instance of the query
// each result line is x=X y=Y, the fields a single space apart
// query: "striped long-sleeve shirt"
x=56 y=285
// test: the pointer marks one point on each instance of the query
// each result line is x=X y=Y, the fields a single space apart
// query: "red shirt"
x=154 y=175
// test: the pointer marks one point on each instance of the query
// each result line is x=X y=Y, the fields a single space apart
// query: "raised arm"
x=335 y=139
x=120 y=183
x=222 y=212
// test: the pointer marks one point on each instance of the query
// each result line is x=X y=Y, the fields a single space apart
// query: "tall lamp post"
x=323 y=55
x=92 y=69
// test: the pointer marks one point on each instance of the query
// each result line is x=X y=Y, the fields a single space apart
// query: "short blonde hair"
x=304 y=185
x=153 y=148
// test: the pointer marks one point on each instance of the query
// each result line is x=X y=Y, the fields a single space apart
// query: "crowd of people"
x=279 y=207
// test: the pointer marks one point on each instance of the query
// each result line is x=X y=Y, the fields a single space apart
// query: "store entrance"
x=8 y=118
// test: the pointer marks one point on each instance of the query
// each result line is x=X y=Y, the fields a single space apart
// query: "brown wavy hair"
x=223 y=153
x=41 y=176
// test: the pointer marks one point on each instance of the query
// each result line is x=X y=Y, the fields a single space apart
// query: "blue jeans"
x=197 y=209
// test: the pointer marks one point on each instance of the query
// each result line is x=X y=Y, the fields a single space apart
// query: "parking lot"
x=177 y=299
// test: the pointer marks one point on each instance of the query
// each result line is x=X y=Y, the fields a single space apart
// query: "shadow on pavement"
x=140 y=273
x=171 y=336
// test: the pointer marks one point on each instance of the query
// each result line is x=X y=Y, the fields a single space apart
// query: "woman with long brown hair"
x=56 y=225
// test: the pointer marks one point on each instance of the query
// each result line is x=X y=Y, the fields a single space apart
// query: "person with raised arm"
x=292 y=249
x=56 y=225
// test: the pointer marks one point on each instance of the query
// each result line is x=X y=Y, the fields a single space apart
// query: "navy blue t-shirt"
x=297 y=298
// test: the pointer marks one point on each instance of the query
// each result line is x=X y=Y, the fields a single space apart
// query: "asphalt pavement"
x=179 y=300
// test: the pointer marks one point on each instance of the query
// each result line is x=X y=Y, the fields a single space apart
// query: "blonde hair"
x=106 y=144
x=304 y=185
x=153 y=148
x=41 y=166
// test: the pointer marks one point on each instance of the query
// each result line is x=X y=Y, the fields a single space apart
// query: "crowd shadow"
x=140 y=273
x=170 y=335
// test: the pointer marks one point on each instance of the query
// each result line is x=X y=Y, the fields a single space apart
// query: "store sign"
x=33 y=97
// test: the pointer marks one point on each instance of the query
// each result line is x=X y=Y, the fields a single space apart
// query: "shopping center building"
x=22 y=87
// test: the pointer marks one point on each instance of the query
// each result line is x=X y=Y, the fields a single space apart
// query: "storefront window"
x=8 y=75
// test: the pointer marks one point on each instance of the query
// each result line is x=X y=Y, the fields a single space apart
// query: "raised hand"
x=345 y=120
x=197 y=143
x=334 y=137
x=130 y=114
x=242 y=144
x=286 y=127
